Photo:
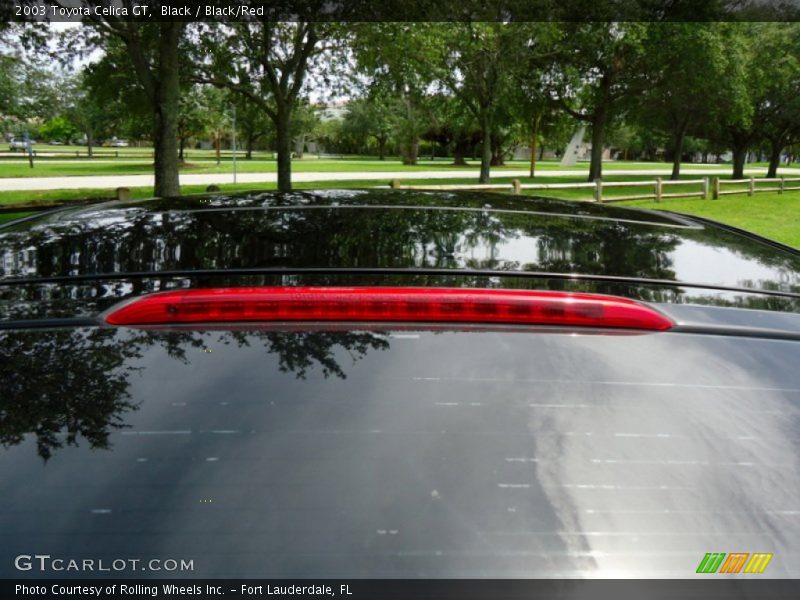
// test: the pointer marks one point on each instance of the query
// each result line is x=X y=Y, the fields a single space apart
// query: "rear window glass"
x=402 y=453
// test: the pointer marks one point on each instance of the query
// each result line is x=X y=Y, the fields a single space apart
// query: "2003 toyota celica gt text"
x=387 y=384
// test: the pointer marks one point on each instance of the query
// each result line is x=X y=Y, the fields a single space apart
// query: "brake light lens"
x=383 y=304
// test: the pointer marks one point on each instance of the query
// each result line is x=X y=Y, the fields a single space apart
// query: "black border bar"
x=400 y=10
x=707 y=587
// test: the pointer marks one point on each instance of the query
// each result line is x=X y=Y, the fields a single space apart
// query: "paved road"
x=114 y=181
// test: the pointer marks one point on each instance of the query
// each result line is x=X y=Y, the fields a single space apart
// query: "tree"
x=480 y=65
x=742 y=109
x=595 y=68
x=331 y=137
x=252 y=123
x=266 y=62
x=10 y=83
x=401 y=61
x=58 y=128
x=108 y=98
x=302 y=125
x=373 y=116
x=215 y=105
x=191 y=117
x=29 y=89
x=88 y=111
x=781 y=99
x=453 y=127
x=153 y=54
x=680 y=88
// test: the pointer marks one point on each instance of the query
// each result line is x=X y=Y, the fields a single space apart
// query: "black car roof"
x=78 y=262
x=382 y=229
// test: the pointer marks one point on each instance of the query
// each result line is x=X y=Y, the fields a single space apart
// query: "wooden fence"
x=753 y=187
x=699 y=188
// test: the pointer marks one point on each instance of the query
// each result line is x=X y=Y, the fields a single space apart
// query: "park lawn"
x=205 y=163
x=74 y=168
x=772 y=215
x=89 y=167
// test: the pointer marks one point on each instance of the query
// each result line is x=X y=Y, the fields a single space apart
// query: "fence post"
x=395 y=183
x=783 y=184
x=659 y=188
x=752 y=186
x=715 y=194
x=516 y=186
x=705 y=188
x=598 y=190
x=123 y=194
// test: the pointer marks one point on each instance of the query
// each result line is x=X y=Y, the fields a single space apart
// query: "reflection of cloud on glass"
x=66 y=385
x=685 y=460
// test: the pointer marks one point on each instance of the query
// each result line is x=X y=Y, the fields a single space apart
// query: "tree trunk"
x=409 y=150
x=89 y=144
x=486 y=154
x=598 y=137
x=249 y=148
x=167 y=95
x=410 y=145
x=382 y=148
x=217 y=144
x=677 y=148
x=534 y=135
x=284 y=141
x=774 y=157
x=459 y=153
x=182 y=143
x=739 y=156
x=498 y=158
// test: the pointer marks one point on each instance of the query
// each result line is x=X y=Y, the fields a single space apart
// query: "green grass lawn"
x=202 y=161
x=772 y=215
x=87 y=167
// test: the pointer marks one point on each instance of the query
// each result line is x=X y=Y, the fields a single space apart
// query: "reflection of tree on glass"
x=298 y=352
x=73 y=382
x=65 y=385
x=355 y=230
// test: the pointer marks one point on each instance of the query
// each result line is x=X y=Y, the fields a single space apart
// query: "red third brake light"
x=376 y=304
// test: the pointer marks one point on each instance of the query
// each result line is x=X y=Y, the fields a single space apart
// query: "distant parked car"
x=55 y=143
x=17 y=144
x=119 y=143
